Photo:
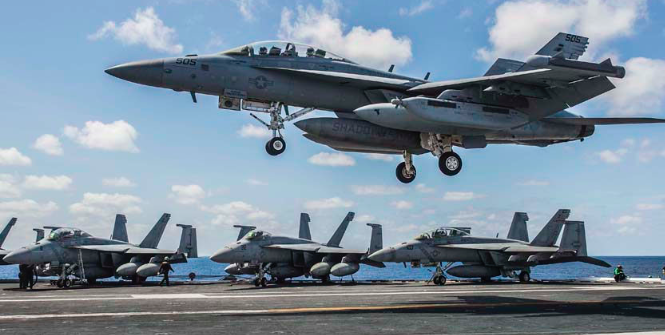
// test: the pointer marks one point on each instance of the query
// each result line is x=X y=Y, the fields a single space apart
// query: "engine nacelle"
x=286 y=271
x=320 y=269
x=344 y=269
x=474 y=271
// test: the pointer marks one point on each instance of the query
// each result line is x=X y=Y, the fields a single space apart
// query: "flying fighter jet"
x=485 y=257
x=3 y=236
x=287 y=257
x=381 y=112
x=71 y=251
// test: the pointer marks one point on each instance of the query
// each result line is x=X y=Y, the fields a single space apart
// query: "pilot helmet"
x=166 y=259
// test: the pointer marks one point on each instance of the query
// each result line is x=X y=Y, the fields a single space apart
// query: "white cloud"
x=8 y=187
x=626 y=220
x=106 y=205
x=612 y=157
x=422 y=188
x=461 y=196
x=115 y=136
x=187 y=194
x=322 y=28
x=534 y=182
x=465 y=13
x=27 y=208
x=420 y=8
x=12 y=156
x=145 y=28
x=236 y=212
x=402 y=204
x=537 y=21
x=334 y=202
x=332 y=159
x=47 y=182
x=649 y=207
x=379 y=157
x=376 y=190
x=256 y=182
x=364 y=218
x=49 y=144
x=252 y=131
x=118 y=182
x=247 y=8
x=641 y=91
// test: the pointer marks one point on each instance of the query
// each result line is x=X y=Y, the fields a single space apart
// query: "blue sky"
x=78 y=146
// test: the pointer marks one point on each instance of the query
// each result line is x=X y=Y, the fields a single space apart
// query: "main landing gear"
x=260 y=279
x=277 y=145
x=525 y=277
x=439 y=277
x=450 y=163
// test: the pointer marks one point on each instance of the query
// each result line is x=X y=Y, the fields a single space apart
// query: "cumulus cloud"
x=379 y=157
x=252 y=131
x=612 y=156
x=27 y=208
x=329 y=203
x=12 y=156
x=106 y=205
x=49 y=144
x=402 y=204
x=115 y=136
x=534 y=182
x=256 y=182
x=144 y=28
x=535 y=22
x=187 y=194
x=322 y=28
x=420 y=8
x=422 y=188
x=641 y=91
x=649 y=207
x=236 y=212
x=118 y=182
x=47 y=182
x=364 y=218
x=8 y=187
x=461 y=196
x=376 y=190
x=628 y=224
x=332 y=159
x=247 y=8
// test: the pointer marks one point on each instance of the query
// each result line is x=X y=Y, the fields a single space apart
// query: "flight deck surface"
x=396 y=308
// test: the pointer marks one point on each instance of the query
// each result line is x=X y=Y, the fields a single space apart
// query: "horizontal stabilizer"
x=593 y=121
x=583 y=259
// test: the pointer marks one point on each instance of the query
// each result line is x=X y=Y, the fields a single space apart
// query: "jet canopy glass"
x=282 y=49
x=65 y=233
x=255 y=235
x=444 y=232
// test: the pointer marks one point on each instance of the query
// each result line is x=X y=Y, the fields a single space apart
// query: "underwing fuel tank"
x=128 y=269
x=320 y=269
x=341 y=132
x=286 y=271
x=474 y=271
x=148 y=270
x=344 y=269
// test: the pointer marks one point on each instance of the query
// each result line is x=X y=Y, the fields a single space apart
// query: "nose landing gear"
x=277 y=145
x=405 y=171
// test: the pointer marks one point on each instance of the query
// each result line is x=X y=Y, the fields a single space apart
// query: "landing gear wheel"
x=275 y=146
x=257 y=282
x=450 y=163
x=525 y=277
x=403 y=174
x=59 y=283
x=264 y=282
x=437 y=280
x=442 y=280
x=67 y=283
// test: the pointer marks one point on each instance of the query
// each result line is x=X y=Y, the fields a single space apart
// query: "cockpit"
x=282 y=49
x=444 y=232
x=255 y=235
x=62 y=234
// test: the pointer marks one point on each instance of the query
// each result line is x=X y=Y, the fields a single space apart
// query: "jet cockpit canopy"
x=62 y=234
x=256 y=234
x=282 y=49
x=444 y=232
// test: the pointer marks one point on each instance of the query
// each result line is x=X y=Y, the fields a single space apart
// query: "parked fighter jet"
x=3 y=236
x=71 y=251
x=485 y=257
x=287 y=257
x=382 y=112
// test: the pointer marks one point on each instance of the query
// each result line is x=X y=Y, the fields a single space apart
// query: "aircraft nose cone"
x=222 y=256
x=147 y=72
x=310 y=126
x=20 y=256
x=383 y=255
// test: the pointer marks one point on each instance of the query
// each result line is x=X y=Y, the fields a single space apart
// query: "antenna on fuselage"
x=427 y=76
x=392 y=67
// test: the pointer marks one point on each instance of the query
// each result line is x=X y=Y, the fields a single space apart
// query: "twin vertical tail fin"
x=548 y=236
x=155 y=235
x=573 y=247
x=376 y=242
x=120 y=229
x=188 y=243
x=336 y=239
x=566 y=46
x=243 y=230
x=304 y=227
x=518 y=230
x=5 y=232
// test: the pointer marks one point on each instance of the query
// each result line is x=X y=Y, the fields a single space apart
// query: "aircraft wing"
x=125 y=249
x=331 y=250
x=317 y=248
x=593 y=121
x=525 y=77
x=347 y=78
x=502 y=247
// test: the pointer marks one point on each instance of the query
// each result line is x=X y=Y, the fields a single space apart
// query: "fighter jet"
x=71 y=251
x=381 y=112
x=287 y=257
x=486 y=257
x=3 y=237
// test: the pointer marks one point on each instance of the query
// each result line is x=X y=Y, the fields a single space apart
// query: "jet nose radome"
x=147 y=72
x=383 y=255
x=222 y=256
x=19 y=256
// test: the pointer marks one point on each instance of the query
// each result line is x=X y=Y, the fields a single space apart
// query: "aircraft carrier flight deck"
x=388 y=307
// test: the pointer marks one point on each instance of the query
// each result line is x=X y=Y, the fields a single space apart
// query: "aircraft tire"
x=275 y=146
x=403 y=175
x=442 y=280
x=59 y=283
x=264 y=282
x=450 y=163
x=257 y=282
x=436 y=280
x=67 y=283
x=525 y=277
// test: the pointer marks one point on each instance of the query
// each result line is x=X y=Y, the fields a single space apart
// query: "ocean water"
x=634 y=266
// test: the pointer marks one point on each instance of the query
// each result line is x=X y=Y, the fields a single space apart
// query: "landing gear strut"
x=277 y=145
x=525 y=277
x=260 y=279
x=441 y=146
x=405 y=171
x=439 y=277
